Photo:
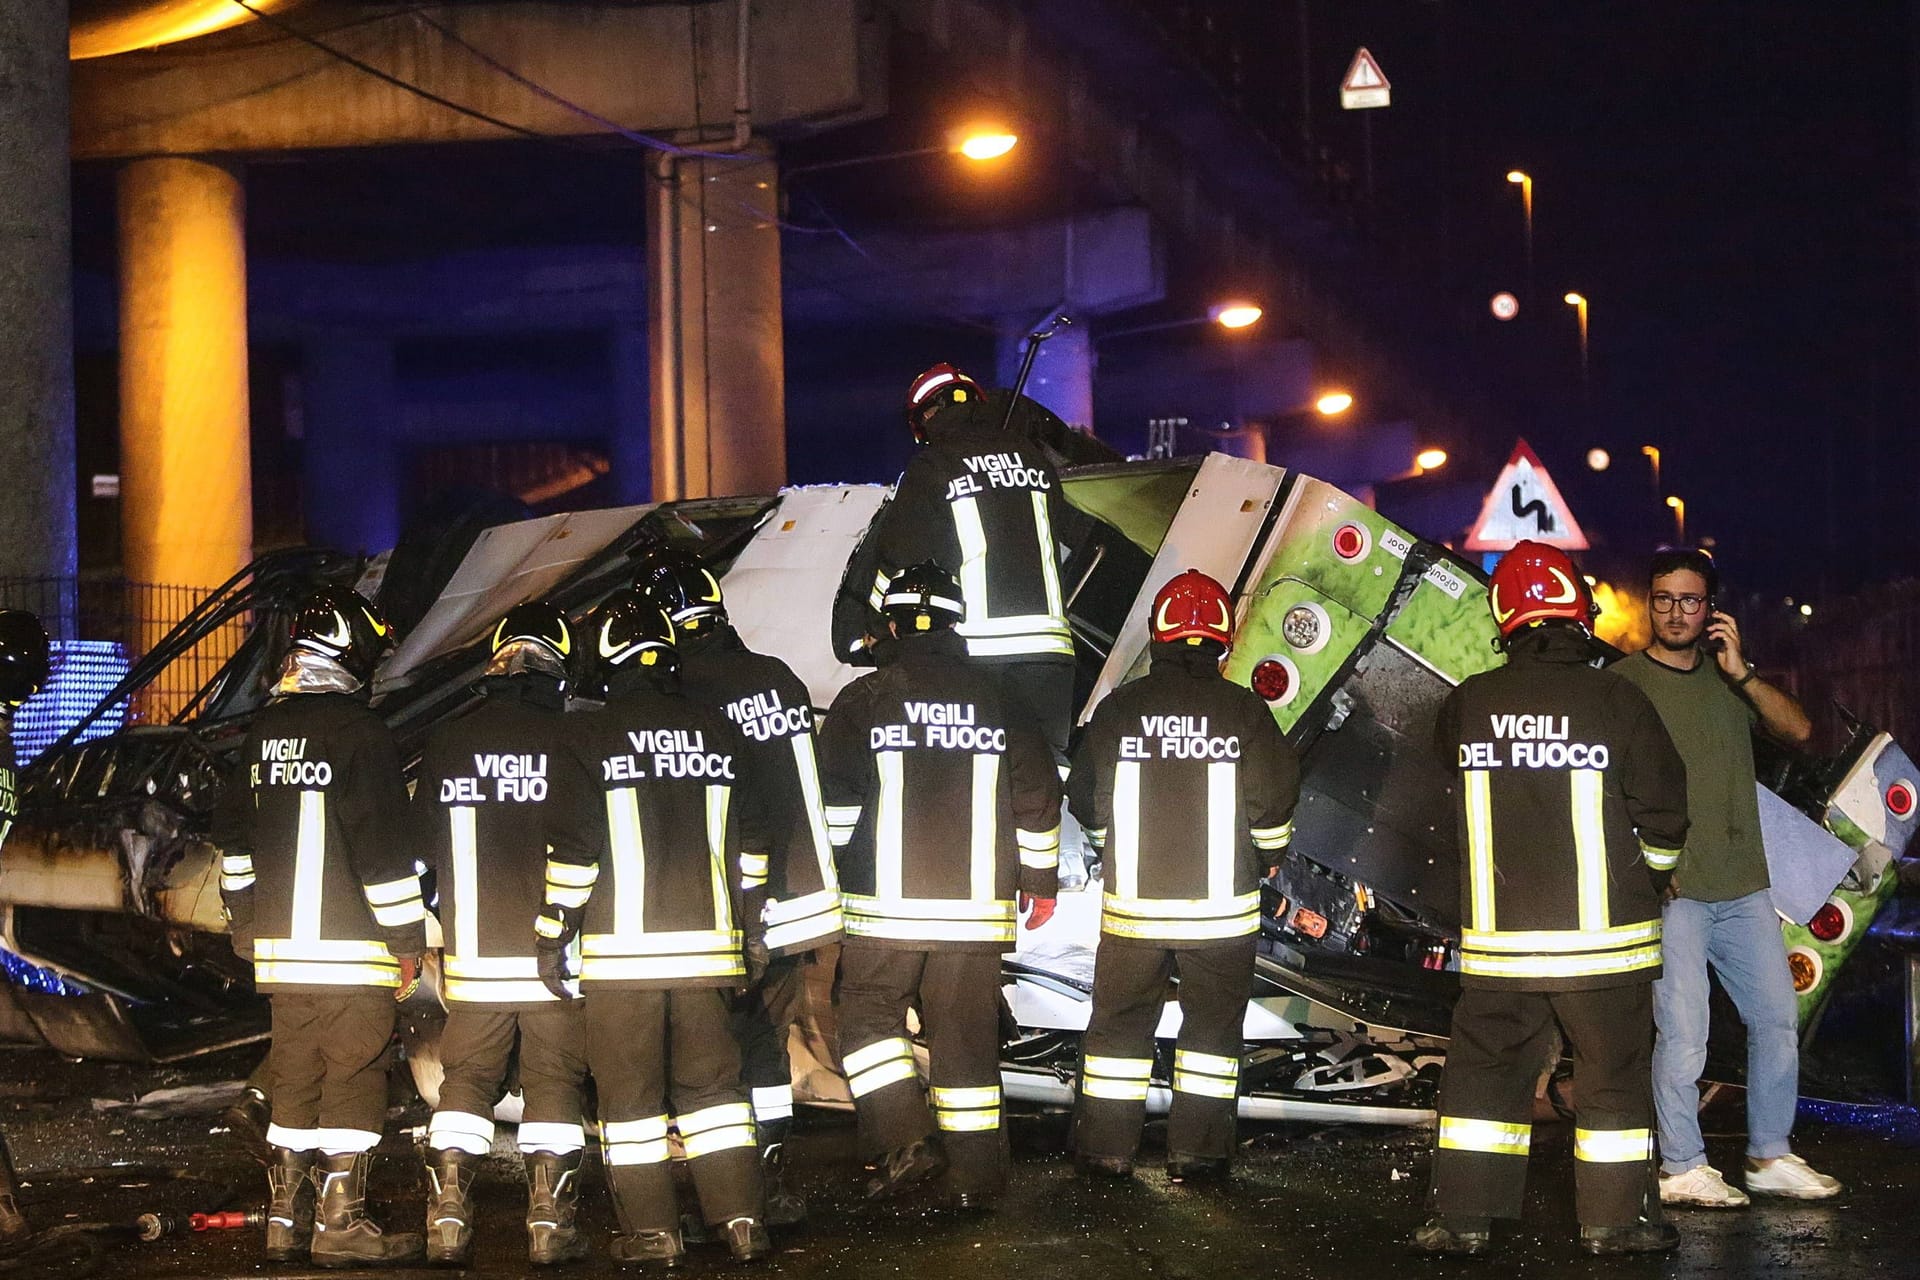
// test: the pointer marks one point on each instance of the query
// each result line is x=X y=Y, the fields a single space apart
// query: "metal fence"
x=101 y=625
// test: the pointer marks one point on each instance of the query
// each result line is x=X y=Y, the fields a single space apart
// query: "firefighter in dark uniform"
x=646 y=872
x=479 y=808
x=1573 y=812
x=322 y=890
x=985 y=502
x=796 y=880
x=944 y=801
x=1188 y=784
x=23 y=669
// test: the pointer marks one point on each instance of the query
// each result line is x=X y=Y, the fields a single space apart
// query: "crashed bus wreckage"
x=1350 y=628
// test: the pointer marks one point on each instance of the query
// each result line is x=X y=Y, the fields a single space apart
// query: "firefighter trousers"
x=1044 y=686
x=1500 y=1042
x=1130 y=988
x=651 y=1050
x=762 y=1019
x=957 y=996
x=478 y=1048
x=328 y=1065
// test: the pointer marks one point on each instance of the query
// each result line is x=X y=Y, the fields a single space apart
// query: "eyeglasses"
x=1688 y=605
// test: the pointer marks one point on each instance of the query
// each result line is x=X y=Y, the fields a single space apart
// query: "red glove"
x=409 y=978
x=1039 y=910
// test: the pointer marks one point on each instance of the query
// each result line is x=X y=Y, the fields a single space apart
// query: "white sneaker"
x=1792 y=1177
x=1702 y=1187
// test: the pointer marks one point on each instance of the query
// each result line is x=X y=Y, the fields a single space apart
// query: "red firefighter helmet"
x=1534 y=583
x=933 y=391
x=1192 y=607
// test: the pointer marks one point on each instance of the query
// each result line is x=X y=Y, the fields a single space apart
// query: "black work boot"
x=247 y=1120
x=1453 y=1237
x=1186 y=1168
x=13 y=1223
x=786 y=1206
x=553 y=1200
x=637 y=1245
x=289 y=1205
x=343 y=1234
x=747 y=1239
x=906 y=1167
x=450 y=1207
x=1090 y=1166
x=1639 y=1237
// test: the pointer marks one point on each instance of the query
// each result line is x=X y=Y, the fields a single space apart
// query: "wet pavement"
x=1307 y=1201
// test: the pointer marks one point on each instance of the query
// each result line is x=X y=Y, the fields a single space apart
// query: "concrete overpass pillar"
x=351 y=485
x=37 y=537
x=715 y=332
x=186 y=492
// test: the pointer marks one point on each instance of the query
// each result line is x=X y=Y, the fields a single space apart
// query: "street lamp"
x=1578 y=301
x=1333 y=403
x=977 y=144
x=1598 y=459
x=1525 y=183
x=1653 y=456
x=1235 y=315
x=1430 y=460
x=1679 y=520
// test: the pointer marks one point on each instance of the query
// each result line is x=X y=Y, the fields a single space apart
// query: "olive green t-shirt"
x=1712 y=725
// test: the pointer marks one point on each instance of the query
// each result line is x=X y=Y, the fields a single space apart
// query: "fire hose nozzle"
x=233 y=1220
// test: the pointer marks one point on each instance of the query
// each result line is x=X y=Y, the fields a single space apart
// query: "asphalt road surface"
x=1306 y=1201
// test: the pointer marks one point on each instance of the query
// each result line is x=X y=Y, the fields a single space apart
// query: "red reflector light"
x=1310 y=923
x=1828 y=924
x=1270 y=680
x=1350 y=542
x=1900 y=799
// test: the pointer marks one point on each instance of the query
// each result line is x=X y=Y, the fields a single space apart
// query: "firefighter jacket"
x=983 y=504
x=1188 y=785
x=649 y=860
x=774 y=713
x=1571 y=792
x=942 y=798
x=480 y=804
x=316 y=868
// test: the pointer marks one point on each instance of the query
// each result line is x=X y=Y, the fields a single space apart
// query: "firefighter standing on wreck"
x=23 y=669
x=1573 y=812
x=328 y=906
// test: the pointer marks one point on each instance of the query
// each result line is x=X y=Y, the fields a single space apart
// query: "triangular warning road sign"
x=1526 y=504
x=1364 y=85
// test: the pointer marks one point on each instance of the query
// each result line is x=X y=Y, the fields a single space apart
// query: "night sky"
x=1732 y=186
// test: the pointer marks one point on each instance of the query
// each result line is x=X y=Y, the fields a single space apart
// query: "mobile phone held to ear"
x=1711 y=643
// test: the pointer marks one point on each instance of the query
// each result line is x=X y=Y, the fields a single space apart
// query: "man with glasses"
x=1719 y=914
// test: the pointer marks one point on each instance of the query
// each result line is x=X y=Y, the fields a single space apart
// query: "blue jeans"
x=1741 y=940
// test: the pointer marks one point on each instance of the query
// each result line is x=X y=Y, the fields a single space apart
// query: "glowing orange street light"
x=1679 y=519
x=987 y=144
x=1525 y=183
x=1578 y=301
x=1333 y=403
x=1430 y=459
x=1653 y=456
x=1235 y=315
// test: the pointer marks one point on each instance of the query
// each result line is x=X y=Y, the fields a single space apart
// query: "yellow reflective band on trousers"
x=878 y=1065
x=629 y=1142
x=1211 y=1075
x=1116 y=1079
x=1273 y=837
x=1479 y=802
x=1612 y=1146
x=236 y=872
x=716 y=1128
x=1492 y=1136
x=1590 y=847
x=968 y=1110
